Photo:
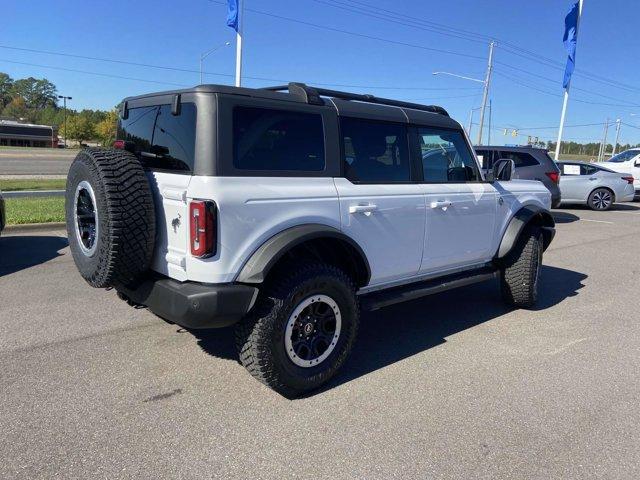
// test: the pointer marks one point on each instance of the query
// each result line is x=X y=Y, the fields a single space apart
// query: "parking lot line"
x=596 y=221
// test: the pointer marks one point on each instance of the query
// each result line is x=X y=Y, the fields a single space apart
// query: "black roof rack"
x=312 y=96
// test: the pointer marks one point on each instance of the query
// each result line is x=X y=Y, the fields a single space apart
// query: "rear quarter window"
x=161 y=140
x=277 y=140
x=521 y=159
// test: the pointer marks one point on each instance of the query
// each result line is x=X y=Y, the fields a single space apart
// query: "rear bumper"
x=194 y=305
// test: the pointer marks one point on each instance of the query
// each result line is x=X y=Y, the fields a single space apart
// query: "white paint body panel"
x=631 y=167
x=461 y=225
x=392 y=233
x=403 y=238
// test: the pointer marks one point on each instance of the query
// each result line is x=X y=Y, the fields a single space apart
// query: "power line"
x=519 y=81
x=187 y=70
x=441 y=29
x=361 y=35
x=93 y=73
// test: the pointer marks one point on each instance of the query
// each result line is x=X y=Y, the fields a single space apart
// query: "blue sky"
x=525 y=93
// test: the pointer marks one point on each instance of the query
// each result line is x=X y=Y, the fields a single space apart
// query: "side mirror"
x=503 y=170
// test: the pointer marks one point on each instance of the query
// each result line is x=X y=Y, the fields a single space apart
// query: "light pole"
x=209 y=52
x=486 y=82
x=64 y=101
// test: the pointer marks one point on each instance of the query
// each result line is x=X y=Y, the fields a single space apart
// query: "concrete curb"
x=34 y=227
x=33 y=193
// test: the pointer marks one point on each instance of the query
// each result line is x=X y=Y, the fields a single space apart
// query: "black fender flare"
x=523 y=217
x=267 y=255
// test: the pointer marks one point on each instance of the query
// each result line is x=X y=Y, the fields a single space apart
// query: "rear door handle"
x=593 y=178
x=443 y=204
x=366 y=209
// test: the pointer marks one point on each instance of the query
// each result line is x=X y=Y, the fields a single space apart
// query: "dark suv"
x=531 y=164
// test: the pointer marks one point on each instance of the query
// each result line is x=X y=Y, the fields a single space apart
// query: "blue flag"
x=570 y=40
x=232 y=15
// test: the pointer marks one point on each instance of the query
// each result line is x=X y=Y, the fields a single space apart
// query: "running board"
x=374 y=301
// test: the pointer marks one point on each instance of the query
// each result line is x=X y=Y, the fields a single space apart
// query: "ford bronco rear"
x=285 y=210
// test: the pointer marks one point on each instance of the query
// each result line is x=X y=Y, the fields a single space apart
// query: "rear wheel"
x=600 y=199
x=301 y=330
x=521 y=270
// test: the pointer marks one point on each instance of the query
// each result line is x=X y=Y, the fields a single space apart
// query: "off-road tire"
x=125 y=217
x=520 y=270
x=602 y=203
x=260 y=335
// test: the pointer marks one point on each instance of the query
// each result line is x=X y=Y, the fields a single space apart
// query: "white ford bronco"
x=286 y=210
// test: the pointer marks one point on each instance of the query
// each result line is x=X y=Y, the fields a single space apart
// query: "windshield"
x=624 y=156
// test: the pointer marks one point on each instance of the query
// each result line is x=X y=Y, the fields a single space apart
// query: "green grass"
x=44 y=184
x=34 y=210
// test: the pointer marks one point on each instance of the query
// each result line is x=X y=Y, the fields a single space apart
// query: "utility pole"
x=64 y=114
x=489 y=130
x=603 y=145
x=615 y=144
x=485 y=95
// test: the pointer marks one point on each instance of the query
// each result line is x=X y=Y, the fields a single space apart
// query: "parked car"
x=593 y=185
x=2 y=213
x=626 y=162
x=531 y=164
x=291 y=209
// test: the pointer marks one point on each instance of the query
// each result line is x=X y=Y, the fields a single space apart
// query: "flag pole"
x=239 y=44
x=566 y=95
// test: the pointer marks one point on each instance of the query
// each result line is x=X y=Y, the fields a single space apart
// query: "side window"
x=161 y=140
x=521 y=159
x=265 y=139
x=587 y=170
x=375 y=152
x=486 y=158
x=569 y=169
x=446 y=157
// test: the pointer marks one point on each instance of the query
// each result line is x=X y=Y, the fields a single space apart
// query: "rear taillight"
x=554 y=176
x=119 y=144
x=628 y=179
x=202 y=227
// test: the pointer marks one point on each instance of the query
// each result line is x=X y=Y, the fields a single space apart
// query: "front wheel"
x=521 y=270
x=301 y=330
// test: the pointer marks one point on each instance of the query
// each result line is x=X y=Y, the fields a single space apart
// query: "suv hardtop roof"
x=343 y=102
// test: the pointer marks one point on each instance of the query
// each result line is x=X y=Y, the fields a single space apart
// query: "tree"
x=37 y=93
x=16 y=109
x=6 y=87
x=106 y=128
x=80 y=128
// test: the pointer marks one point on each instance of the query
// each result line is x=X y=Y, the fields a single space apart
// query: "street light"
x=64 y=100
x=486 y=82
x=459 y=76
x=209 y=52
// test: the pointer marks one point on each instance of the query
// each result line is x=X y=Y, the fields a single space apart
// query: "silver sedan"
x=593 y=185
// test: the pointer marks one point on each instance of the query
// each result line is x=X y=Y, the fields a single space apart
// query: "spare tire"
x=110 y=217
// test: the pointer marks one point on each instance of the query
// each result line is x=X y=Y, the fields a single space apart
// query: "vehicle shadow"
x=564 y=217
x=585 y=208
x=21 y=252
x=425 y=323
x=394 y=333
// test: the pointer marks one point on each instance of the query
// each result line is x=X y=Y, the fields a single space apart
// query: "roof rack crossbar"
x=312 y=95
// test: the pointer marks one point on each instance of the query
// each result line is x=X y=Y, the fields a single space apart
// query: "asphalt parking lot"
x=451 y=386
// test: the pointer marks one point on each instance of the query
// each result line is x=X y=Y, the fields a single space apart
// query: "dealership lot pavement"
x=451 y=386
x=35 y=162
